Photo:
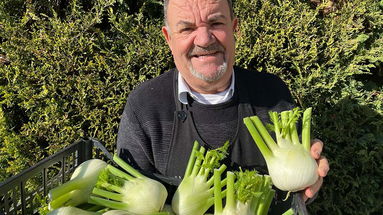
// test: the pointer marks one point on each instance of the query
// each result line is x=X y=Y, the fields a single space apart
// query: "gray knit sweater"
x=146 y=125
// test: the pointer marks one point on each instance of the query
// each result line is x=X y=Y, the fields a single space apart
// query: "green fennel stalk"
x=195 y=194
x=247 y=193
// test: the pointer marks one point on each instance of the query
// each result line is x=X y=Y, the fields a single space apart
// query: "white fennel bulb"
x=77 y=190
x=128 y=190
x=144 y=195
x=288 y=160
x=118 y=212
x=69 y=210
x=291 y=179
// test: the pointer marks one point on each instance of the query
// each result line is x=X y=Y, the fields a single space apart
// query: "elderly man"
x=204 y=98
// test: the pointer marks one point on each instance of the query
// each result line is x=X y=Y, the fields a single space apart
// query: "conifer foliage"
x=67 y=67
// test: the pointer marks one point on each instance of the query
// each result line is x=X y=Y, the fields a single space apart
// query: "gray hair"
x=166 y=3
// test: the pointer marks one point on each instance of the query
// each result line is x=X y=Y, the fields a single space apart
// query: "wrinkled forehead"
x=195 y=9
x=193 y=2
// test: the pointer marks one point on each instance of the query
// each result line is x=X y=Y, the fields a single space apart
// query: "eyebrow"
x=211 y=19
x=214 y=18
x=184 y=23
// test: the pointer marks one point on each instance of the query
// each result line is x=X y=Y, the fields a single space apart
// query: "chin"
x=210 y=75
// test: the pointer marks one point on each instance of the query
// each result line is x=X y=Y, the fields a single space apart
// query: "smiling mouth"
x=205 y=54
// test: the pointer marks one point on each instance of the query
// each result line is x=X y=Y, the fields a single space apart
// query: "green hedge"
x=333 y=63
x=67 y=67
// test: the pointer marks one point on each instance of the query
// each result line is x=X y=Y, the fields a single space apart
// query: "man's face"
x=200 y=34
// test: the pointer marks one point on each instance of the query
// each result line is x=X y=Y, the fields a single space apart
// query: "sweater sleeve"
x=133 y=145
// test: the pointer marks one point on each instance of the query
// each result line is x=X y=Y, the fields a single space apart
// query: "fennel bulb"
x=167 y=210
x=77 y=190
x=122 y=212
x=239 y=208
x=133 y=192
x=195 y=194
x=118 y=212
x=247 y=193
x=69 y=210
x=289 y=162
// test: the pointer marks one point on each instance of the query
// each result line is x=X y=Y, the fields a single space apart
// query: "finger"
x=323 y=166
x=313 y=189
x=316 y=148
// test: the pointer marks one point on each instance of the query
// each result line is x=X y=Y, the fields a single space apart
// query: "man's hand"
x=323 y=168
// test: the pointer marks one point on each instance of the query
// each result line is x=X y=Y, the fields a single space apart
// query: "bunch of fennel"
x=247 y=193
x=289 y=162
x=195 y=194
x=102 y=185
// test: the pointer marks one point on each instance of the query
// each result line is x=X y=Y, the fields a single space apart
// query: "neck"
x=210 y=88
x=204 y=87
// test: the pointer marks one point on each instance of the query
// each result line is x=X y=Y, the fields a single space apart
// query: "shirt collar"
x=184 y=90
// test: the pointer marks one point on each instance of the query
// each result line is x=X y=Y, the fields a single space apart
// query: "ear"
x=236 y=29
x=166 y=33
x=235 y=24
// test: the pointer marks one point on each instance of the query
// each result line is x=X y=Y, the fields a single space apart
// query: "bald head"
x=166 y=3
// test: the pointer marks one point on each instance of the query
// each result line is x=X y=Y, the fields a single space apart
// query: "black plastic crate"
x=23 y=193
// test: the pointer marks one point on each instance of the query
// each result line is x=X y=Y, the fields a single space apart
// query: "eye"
x=186 y=30
x=217 y=23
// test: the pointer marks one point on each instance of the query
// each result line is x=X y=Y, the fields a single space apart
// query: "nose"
x=204 y=37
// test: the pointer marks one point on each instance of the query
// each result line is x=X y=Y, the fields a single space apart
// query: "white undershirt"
x=217 y=98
